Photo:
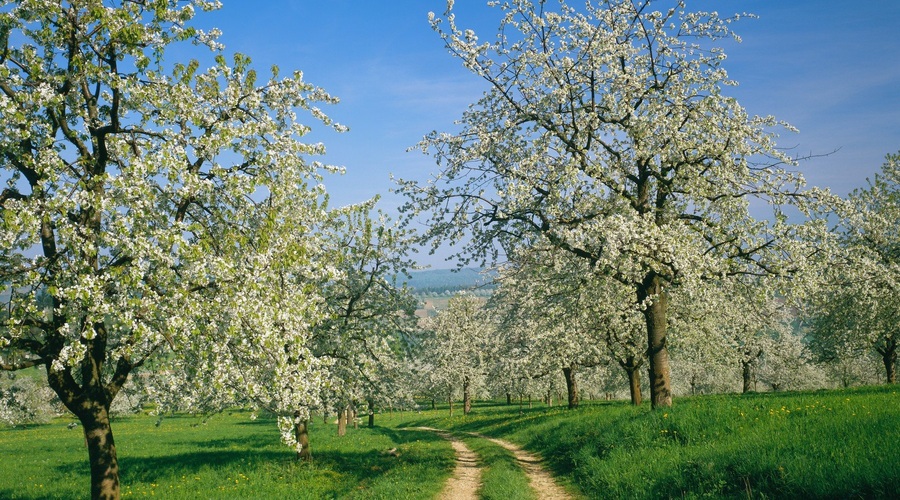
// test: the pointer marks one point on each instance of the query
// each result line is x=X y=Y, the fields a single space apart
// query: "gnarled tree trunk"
x=657 y=351
x=371 y=413
x=301 y=434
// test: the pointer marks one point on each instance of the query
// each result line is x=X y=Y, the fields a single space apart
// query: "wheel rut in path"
x=541 y=481
x=466 y=478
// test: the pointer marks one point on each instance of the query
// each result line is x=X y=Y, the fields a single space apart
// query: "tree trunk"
x=889 y=358
x=549 y=399
x=101 y=452
x=450 y=401
x=467 y=397
x=371 y=413
x=889 y=369
x=342 y=421
x=90 y=403
x=301 y=434
x=657 y=352
x=508 y=399
x=433 y=405
x=634 y=383
x=571 y=386
x=747 y=375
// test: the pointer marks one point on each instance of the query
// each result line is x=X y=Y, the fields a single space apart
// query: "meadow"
x=226 y=456
x=825 y=444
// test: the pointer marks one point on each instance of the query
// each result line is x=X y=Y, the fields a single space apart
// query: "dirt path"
x=541 y=481
x=466 y=476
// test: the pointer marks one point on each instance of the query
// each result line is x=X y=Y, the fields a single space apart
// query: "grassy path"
x=539 y=479
x=466 y=481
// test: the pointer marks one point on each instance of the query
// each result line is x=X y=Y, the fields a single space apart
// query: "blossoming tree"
x=731 y=330
x=857 y=310
x=607 y=132
x=569 y=321
x=311 y=319
x=370 y=314
x=457 y=346
x=128 y=185
x=252 y=339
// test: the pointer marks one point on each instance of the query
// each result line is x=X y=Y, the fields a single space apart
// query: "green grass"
x=835 y=444
x=231 y=456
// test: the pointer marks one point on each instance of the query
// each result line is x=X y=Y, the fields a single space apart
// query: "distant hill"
x=441 y=281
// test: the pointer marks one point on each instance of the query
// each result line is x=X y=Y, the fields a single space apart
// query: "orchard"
x=168 y=243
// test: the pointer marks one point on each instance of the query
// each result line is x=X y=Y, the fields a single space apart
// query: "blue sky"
x=831 y=68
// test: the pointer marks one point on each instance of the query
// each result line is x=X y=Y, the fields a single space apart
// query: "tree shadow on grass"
x=406 y=435
x=12 y=494
x=239 y=443
x=155 y=469
x=504 y=423
x=404 y=450
x=409 y=449
x=358 y=468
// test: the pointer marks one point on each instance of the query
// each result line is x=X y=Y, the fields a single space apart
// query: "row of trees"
x=540 y=338
x=610 y=170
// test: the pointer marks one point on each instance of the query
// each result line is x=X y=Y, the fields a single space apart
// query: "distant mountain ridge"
x=448 y=280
